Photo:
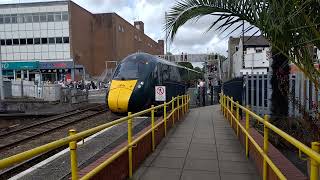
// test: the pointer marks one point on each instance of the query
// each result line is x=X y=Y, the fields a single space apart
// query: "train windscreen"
x=127 y=70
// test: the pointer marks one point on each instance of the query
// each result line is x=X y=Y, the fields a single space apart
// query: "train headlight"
x=140 y=85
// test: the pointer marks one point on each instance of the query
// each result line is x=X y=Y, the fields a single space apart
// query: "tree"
x=286 y=24
x=186 y=64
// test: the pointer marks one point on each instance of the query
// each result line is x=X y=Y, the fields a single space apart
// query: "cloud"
x=191 y=37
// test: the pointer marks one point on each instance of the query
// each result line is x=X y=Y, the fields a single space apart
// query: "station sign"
x=160 y=93
x=20 y=65
x=56 y=65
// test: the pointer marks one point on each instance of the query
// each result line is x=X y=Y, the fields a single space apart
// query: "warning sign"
x=160 y=93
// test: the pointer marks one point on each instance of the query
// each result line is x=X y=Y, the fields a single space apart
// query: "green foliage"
x=186 y=64
x=291 y=26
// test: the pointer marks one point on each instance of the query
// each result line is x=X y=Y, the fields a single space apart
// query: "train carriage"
x=132 y=87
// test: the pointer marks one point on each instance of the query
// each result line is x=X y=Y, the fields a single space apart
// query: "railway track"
x=20 y=135
x=32 y=131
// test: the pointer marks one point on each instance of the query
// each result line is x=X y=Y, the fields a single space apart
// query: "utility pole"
x=165 y=16
x=1 y=77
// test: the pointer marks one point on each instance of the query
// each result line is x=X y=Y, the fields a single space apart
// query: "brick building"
x=61 y=40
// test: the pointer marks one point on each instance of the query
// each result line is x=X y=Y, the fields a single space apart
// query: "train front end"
x=128 y=88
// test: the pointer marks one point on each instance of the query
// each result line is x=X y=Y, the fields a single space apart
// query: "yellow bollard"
x=265 y=145
x=237 y=117
x=152 y=126
x=314 y=166
x=165 y=118
x=172 y=109
x=129 y=142
x=247 y=129
x=73 y=156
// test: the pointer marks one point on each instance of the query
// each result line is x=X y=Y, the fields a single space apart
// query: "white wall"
x=252 y=58
x=35 y=30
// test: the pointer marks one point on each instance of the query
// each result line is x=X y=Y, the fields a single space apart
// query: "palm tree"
x=287 y=25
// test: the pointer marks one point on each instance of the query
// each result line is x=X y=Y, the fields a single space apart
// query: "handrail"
x=18 y=158
x=227 y=105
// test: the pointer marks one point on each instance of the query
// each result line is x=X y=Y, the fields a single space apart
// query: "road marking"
x=46 y=161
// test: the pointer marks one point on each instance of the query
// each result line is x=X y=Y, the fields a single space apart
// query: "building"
x=252 y=57
x=60 y=40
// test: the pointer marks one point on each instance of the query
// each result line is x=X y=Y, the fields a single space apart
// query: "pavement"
x=203 y=146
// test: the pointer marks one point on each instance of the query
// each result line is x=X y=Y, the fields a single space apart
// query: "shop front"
x=20 y=70
x=56 y=71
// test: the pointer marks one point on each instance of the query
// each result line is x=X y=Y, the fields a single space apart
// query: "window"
x=28 y=19
x=2 y=42
x=7 y=19
x=36 y=18
x=29 y=41
x=50 y=18
x=65 y=16
x=44 y=40
x=1 y=20
x=52 y=40
x=258 y=50
x=14 y=18
x=15 y=41
x=57 y=17
x=43 y=17
x=23 y=41
x=119 y=28
x=20 y=18
x=36 y=40
x=59 y=40
x=8 y=42
x=65 y=39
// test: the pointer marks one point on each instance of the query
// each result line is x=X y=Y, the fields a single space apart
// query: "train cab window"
x=132 y=69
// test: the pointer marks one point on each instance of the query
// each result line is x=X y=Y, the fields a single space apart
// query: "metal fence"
x=257 y=91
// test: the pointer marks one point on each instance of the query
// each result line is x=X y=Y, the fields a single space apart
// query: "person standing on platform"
x=203 y=91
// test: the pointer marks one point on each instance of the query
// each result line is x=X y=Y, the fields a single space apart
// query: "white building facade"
x=35 y=41
x=255 y=59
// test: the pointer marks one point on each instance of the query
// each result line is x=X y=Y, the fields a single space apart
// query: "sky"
x=191 y=38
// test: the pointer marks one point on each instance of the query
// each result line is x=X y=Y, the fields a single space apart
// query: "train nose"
x=119 y=95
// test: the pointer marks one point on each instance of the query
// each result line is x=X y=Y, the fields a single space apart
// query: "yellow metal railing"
x=182 y=107
x=227 y=108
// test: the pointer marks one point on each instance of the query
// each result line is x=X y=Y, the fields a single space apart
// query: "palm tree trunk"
x=280 y=86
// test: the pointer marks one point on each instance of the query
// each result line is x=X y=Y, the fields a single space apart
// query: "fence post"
x=265 y=145
x=129 y=144
x=237 y=117
x=227 y=107
x=182 y=105
x=247 y=129
x=173 y=110
x=314 y=166
x=165 y=118
x=224 y=105
x=152 y=126
x=73 y=156
x=178 y=107
x=231 y=109
x=186 y=101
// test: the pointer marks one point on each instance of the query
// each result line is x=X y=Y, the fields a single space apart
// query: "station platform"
x=202 y=146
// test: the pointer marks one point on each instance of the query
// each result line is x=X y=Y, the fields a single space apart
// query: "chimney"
x=139 y=25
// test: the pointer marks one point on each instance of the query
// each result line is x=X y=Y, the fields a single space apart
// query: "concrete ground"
x=203 y=147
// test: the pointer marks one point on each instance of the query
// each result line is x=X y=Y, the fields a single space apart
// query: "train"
x=132 y=86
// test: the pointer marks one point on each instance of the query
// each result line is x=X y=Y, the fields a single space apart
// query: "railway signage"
x=160 y=92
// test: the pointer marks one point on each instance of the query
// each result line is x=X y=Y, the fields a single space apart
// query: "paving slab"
x=202 y=146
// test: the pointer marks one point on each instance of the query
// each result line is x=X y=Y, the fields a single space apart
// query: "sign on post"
x=160 y=93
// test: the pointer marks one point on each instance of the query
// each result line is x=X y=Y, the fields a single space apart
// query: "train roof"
x=155 y=59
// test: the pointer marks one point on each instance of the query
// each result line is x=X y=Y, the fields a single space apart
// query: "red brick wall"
x=118 y=169
x=285 y=166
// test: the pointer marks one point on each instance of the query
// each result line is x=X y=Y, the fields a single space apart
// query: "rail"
x=230 y=110
x=182 y=106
